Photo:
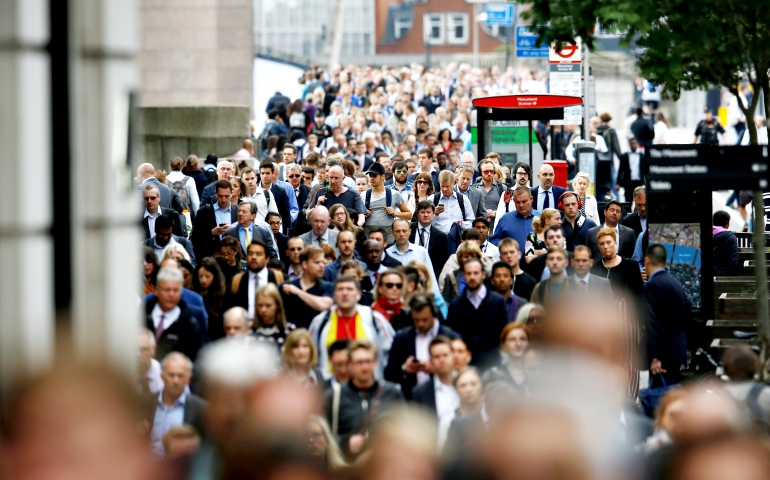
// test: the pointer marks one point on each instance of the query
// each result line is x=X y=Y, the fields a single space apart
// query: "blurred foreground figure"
x=76 y=423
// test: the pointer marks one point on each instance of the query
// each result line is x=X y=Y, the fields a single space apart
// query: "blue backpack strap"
x=388 y=197
x=368 y=198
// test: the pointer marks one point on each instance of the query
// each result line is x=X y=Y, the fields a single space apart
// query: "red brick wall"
x=412 y=42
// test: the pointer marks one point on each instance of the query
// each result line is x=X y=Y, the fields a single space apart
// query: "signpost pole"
x=509 y=29
x=529 y=141
x=586 y=113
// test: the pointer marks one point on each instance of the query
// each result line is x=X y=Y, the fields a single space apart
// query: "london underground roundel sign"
x=528 y=101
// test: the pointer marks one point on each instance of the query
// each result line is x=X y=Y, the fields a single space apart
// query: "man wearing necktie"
x=546 y=194
x=431 y=238
x=581 y=263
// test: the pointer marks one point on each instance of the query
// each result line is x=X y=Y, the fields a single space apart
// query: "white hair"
x=367 y=135
x=180 y=356
x=467 y=155
x=238 y=311
x=177 y=247
x=171 y=275
x=292 y=166
x=235 y=363
x=150 y=336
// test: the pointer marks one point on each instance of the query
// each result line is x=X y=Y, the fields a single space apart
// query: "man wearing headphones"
x=409 y=363
x=574 y=224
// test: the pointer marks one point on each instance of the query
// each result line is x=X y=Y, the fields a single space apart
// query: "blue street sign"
x=500 y=13
x=525 y=44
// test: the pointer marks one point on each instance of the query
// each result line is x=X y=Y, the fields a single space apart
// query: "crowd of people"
x=368 y=300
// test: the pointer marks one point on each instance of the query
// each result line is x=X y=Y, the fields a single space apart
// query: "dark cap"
x=706 y=109
x=376 y=169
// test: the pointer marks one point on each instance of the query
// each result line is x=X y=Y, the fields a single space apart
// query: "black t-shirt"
x=350 y=199
x=708 y=132
x=298 y=312
x=524 y=285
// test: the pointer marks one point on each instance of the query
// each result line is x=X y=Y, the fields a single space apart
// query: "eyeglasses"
x=391 y=285
x=522 y=174
x=363 y=362
x=274 y=223
x=402 y=171
x=294 y=176
x=150 y=198
x=227 y=254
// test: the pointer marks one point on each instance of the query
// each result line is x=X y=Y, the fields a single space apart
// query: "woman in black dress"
x=627 y=289
x=209 y=282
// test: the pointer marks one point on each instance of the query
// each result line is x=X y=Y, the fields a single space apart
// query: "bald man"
x=247 y=151
x=144 y=177
x=546 y=195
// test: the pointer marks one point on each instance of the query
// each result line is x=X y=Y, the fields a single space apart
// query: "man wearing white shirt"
x=630 y=169
x=481 y=224
x=448 y=209
x=256 y=194
x=613 y=212
x=546 y=194
x=148 y=368
x=257 y=275
x=439 y=395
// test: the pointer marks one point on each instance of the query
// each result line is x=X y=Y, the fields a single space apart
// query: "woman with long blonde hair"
x=270 y=323
x=300 y=358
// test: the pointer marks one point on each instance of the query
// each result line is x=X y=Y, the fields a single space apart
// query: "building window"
x=433 y=28
x=457 y=28
x=401 y=26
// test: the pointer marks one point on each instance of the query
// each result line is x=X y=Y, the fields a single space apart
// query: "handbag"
x=650 y=397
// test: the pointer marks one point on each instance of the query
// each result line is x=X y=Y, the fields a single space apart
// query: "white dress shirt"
x=423 y=234
x=151 y=221
x=490 y=250
x=476 y=299
x=452 y=212
x=254 y=285
x=159 y=250
x=263 y=206
x=633 y=163
x=371 y=273
x=169 y=318
x=447 y=399
x=421 y=350
x=153 y=377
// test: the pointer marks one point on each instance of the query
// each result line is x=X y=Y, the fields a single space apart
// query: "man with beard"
x=245 y=285
x=400 y=181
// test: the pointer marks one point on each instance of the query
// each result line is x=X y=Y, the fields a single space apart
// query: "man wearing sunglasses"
x=153 y=210
x=400 y=181
x=301 y=191
x=409 y=362
x=491 y=190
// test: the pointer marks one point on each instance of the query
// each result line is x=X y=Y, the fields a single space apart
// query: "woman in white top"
x=589 y=208
x=661 y=129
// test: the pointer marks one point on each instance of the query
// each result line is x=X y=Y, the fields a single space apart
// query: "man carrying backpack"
x=383 y=205
x=708 y=129
x=184 y=186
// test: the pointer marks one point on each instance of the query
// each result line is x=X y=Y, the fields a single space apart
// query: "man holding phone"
x=213 y=220
x=448 y=208
x=409 y=362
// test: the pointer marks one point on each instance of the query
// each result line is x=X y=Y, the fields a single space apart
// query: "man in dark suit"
x=631 y=169
x=440 y=386
x=478 y=315
x=613 y=212
x=643 y=129
x=244 y=286
x=430 y=237
x=301 y=191
x=432 y=101
x=169 y=318
x=164 y=408
x=666 y=309
x=224 y=171
x=164 y=236
x=245 y=231
x=407 y=365
x=637 y=221
x=213 y=221
x=266 y=170
x=379 y=235
x=320 y=232
x=281 y=240
x=153 y=211
x=546 y=195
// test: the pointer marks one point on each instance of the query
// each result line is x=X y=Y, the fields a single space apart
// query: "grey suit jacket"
x=262 y=232
x=165 y=192
x=626 y=242
x=474 y=195
x=150 y=242
x=598 y=286
x=309 y=238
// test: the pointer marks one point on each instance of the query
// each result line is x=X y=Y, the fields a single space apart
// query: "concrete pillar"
x=26 y=266
x=105 y=232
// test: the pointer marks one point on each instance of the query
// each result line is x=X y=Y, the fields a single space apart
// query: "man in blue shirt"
x=516 y=224
x=173 y=406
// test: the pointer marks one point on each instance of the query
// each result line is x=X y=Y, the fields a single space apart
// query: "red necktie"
x=160 y=329
x=376 y=276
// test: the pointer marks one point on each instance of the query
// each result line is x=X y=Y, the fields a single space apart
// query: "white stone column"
x=26 y=265
x=105 y=229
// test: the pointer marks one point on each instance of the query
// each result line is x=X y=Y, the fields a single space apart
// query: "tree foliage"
x=683 y=44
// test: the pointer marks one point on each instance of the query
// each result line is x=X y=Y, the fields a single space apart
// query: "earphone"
x=561 y=204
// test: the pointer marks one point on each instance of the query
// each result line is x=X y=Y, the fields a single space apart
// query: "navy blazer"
x=438 y=246
x=282 y=202
x=557 y=193
x=402 y=348
x=579 y=235
x=480 y=328
x=666 y=310
x=634 y=222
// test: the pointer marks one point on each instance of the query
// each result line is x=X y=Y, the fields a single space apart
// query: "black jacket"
x=241 y=297
x=304 y=193
x=184 y=335
x=353 y=418
x=389 y=261
x=402 y=348
x=666 y=310
x=438 y=246
x=480 y=329
x=643 y=131
x=624 y=174
x=578 y=235
x=193 y=409
x=282 y=203
x=202 y=239
x=536 y=267
x=634 y=222
x=177 y=229
x=626 y=242
x=725 y=254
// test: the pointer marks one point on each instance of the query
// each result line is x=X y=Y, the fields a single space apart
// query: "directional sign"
x=525 y=44
x=527 y=101
x=500 y=13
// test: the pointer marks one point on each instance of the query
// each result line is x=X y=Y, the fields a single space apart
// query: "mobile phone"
x=222 y=224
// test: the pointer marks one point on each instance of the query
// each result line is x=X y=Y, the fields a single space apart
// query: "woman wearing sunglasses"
x=388 y=292
x=423 y=190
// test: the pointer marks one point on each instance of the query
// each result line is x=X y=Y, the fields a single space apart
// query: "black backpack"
x=461 y=201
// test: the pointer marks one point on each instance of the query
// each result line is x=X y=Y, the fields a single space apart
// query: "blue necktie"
x=546 y=202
